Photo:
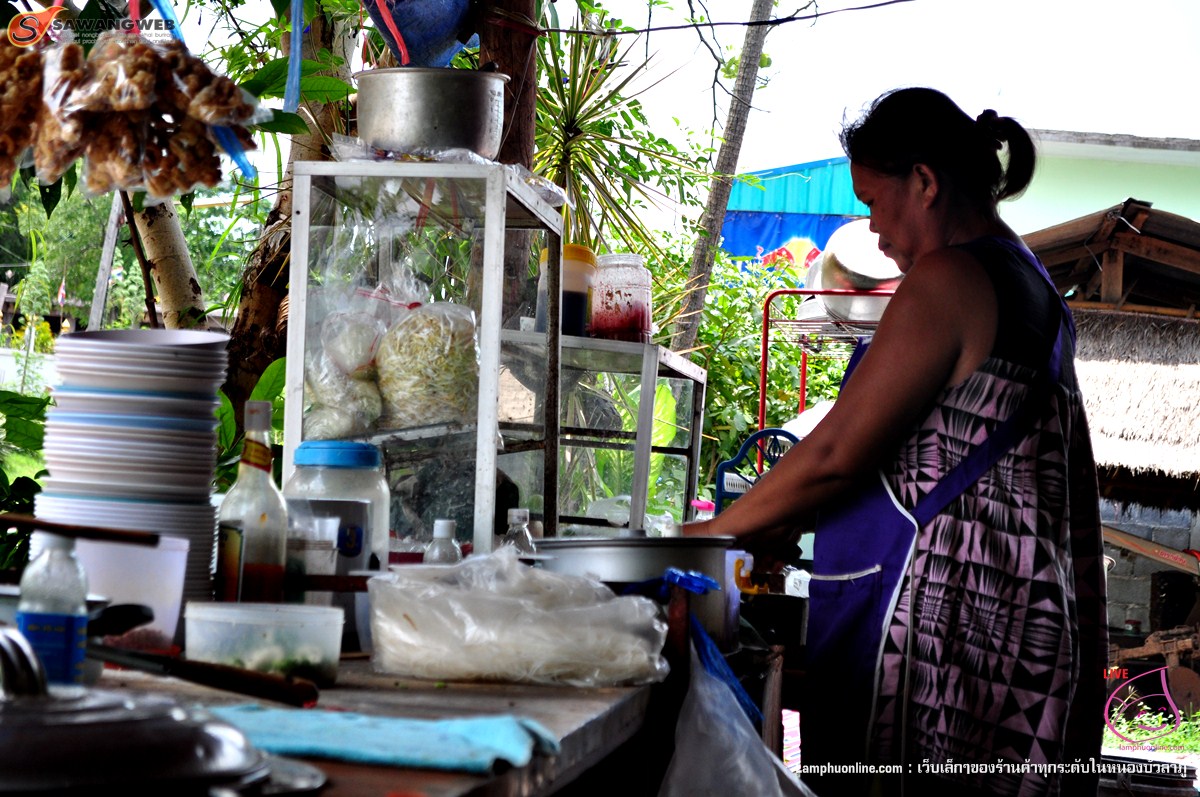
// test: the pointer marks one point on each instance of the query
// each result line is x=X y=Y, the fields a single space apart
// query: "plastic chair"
x=760 y=451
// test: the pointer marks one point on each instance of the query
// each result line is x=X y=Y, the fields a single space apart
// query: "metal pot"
x=115 y=742
x=852 y=261
x=410 y=108
x=620 y=561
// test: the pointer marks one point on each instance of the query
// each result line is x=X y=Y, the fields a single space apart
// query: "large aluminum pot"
x=410 y=108
x=620 y=561
x=852 y=261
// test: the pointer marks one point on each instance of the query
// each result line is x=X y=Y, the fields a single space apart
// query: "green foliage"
x=594 y=141
x=24 y=431
x=270 y=388
x=1147 y=730
x=729 y=346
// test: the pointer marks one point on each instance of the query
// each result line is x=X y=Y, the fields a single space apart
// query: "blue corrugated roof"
x=820 y=187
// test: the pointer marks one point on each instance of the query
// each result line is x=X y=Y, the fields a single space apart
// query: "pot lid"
x=115 y=740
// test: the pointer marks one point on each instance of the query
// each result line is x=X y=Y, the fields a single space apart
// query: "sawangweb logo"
x=30 y=27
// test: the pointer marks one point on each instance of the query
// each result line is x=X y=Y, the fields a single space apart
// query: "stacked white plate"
x=131 y=438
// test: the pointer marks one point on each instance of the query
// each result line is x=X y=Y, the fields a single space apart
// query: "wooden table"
x=590 y=725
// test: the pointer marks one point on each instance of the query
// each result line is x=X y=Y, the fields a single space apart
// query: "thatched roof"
x=1140 y=376
x=1131 y=274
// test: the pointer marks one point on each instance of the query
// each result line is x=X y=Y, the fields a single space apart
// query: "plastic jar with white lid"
x=621 y=298
x=336 y=477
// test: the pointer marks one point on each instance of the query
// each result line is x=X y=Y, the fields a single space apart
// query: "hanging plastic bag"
x=717 y=750
x=20 y=89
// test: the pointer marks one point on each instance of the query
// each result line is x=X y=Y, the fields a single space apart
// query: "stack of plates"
x=131 y=438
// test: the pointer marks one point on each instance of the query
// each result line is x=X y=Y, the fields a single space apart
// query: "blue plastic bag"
x=432 y=31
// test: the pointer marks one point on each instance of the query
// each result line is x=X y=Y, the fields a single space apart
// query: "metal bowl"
x=852 y=261
x=408 y=109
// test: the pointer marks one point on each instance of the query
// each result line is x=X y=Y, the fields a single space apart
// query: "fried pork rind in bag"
x=179 y=156
x=113 y=153
x=189 y=85
x=492 y=618
x=428 y=367
x=122 y=75
x=61 y=134
x=20 y=98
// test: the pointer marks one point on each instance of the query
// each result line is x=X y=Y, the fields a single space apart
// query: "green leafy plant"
x=594 y=141
x=270 y=387
x=24 y=435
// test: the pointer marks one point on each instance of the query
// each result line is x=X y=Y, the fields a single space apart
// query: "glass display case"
x=410 y=283
x=630 y=429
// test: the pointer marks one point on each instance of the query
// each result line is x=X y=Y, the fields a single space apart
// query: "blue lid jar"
x=337 y=454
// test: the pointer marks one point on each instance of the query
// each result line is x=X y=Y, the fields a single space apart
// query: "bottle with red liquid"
x=621 y=298
x=252 y=541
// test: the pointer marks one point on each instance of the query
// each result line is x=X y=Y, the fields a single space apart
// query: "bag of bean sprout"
x=428 y=365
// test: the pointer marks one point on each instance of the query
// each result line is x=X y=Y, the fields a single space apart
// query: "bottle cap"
x=258 y=416
x=703 y=504
x=443 y=529
x=518 y=516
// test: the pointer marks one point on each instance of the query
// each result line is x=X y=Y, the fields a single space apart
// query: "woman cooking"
x=956 y=613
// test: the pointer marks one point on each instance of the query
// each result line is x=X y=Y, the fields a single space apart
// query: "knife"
x=282 y=689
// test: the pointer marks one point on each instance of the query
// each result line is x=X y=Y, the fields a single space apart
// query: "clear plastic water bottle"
x=518 y=533
x=52 y=611
x=443 y=550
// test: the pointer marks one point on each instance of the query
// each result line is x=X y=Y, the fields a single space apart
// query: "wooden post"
x=1112 y=275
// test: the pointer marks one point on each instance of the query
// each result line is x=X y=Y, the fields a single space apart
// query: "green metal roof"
x=819 y=187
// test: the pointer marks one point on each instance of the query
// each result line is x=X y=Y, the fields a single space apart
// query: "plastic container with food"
x=283 y=639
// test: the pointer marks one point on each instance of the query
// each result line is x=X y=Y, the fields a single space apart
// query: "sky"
x=1100 y=66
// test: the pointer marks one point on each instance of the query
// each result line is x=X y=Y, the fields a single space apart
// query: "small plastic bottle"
x=444 y=549
x=518 y=533
x=52 y=611
x=705 y=509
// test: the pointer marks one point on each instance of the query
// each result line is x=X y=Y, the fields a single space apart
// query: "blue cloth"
x=460 y=745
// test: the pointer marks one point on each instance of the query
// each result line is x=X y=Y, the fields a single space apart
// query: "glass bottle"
x=518 y=533
x=443 y=550
x=252 y=543
x=52 y=611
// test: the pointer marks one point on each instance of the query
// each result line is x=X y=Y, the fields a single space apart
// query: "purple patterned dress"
x=999 y=636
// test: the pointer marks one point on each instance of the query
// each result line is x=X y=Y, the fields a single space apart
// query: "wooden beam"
x=1184 y=258
x=1055 y=257
x=1139 y=309
x=1112 y=276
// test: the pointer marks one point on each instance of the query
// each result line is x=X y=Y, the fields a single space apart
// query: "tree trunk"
x=259 y=334
x=170 y=266
x=508 y=36
x=704 y=254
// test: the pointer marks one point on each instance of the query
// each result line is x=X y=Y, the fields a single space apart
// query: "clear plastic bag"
x=717 y=750
x=61 y=135
x=429 y=367
x=20 y=90
x=492 y=618
x=337 y=399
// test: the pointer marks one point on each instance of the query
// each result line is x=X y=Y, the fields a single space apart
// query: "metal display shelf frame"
x=817 y=335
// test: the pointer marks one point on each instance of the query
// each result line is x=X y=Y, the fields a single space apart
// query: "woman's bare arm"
x=938 y=328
